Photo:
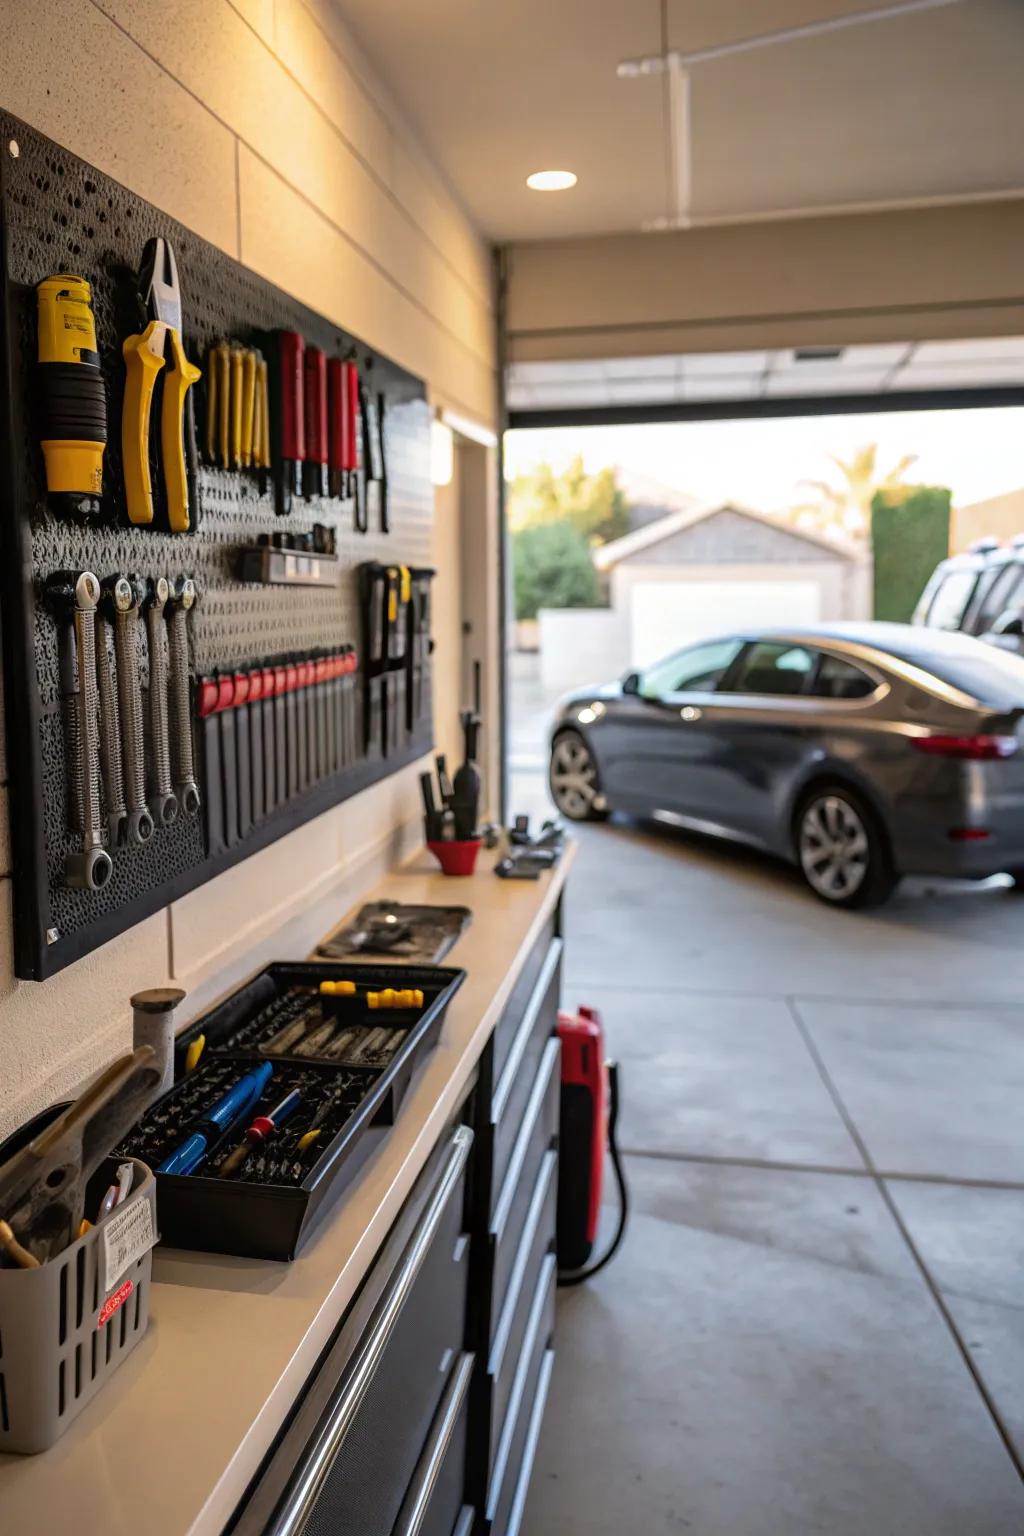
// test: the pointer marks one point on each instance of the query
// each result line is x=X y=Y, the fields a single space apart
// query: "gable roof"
x=609 y=555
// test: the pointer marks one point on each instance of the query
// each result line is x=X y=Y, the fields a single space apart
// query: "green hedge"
x=552 y=568
x=909 y=536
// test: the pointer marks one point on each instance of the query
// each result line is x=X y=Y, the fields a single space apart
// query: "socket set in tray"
x=347 y=1053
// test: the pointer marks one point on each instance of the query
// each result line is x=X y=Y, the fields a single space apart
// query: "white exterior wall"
x=587 y=645
x=582 y=645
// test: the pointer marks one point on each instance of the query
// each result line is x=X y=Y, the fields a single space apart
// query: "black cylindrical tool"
x=466 y=785
x=74 y=399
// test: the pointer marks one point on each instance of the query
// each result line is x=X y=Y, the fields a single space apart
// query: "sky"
x=977 y=453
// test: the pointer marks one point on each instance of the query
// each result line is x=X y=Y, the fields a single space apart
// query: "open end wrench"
x=163 y=802
x=111 y=766
x=180 y=604
x=75 y=598
x=122 y=596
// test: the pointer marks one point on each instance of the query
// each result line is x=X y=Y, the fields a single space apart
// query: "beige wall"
x=912 y=275
x=259 y=126
x=1001 y=517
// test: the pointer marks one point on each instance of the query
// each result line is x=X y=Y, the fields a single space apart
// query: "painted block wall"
x=259 y=124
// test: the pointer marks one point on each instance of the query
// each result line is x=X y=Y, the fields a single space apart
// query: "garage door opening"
x=629 y=539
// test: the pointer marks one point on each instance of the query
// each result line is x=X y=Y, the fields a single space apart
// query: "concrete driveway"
x=816 y=1324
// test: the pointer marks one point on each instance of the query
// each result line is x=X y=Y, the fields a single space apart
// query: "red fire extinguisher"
x=588 y=1125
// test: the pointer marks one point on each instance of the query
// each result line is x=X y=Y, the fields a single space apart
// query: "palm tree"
x=846 y=508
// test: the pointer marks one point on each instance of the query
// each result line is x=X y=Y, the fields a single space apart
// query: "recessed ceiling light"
x=551 y=181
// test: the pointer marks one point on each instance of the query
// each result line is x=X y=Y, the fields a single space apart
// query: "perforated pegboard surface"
x=58 y=214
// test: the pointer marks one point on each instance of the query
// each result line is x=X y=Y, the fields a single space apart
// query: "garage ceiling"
x=925 y=106
x=697 y=378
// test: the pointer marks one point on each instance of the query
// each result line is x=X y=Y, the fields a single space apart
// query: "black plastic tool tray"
x=270 y=1221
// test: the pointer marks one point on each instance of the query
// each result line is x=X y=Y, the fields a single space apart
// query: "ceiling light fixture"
x=551 y=181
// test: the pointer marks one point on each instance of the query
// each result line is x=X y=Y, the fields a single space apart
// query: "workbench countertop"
x=171 y=1443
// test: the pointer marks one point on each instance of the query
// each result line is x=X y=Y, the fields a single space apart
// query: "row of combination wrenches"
x=126 y=780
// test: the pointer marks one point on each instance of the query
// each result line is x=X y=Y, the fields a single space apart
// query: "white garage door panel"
x=667 y=614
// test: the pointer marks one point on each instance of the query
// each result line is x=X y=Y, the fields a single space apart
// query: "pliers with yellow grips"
x=145 y=355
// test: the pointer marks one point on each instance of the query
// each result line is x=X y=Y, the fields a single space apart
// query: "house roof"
x=609 y=555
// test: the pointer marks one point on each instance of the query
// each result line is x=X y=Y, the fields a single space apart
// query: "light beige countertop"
x=171 y=1443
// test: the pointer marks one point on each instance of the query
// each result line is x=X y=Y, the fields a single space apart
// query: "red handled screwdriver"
x=262 y=1127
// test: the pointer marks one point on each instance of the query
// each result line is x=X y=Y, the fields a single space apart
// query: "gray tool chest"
x=423 y=1415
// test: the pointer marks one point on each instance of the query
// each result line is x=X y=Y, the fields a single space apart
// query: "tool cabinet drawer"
x=537 y=1136
x=517 y=1443
x=513 y=1089
x=434 y=1500
x=358 y=1436
x=507 y=1026
x=535 y=1248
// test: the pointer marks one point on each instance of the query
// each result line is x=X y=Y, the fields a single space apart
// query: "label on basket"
x=112 y=1303
x=127 y=1235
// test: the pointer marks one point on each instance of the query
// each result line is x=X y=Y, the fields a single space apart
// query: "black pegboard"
x=59 y=214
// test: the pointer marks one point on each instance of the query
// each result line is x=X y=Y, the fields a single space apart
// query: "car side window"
x=771 y=666
x=696 y=670
x=999 y=596
x=951 y=599
x=838 y=679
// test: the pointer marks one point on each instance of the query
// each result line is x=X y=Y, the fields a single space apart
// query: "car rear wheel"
x=842 y=850
x=573 y=777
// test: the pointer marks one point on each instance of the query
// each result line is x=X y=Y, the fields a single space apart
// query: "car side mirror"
x=631 y=682
x=1009 y=623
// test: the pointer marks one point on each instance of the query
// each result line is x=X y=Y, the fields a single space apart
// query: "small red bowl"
x=457 y=858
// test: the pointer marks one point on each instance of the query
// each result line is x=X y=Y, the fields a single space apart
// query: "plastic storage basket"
x=66 y=1326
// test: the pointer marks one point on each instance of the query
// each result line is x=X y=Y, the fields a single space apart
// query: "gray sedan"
x=860 y=752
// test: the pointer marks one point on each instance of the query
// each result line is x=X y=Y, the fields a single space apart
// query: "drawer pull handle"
x=532 y=1113
x=526 y=1029
x=417 y=1500
x=314 y=1473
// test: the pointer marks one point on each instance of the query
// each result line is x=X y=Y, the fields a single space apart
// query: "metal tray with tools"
x=351 y=1101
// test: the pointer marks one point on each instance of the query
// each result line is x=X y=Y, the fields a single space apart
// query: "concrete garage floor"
x=816 y=1323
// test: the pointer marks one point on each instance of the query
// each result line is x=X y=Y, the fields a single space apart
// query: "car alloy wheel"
x=835 y=850
x=573 y=778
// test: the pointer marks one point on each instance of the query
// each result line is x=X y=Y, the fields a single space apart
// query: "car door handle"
x=689 y=713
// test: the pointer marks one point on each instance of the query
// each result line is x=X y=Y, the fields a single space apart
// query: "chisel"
x=291 y=427
x=315 y=475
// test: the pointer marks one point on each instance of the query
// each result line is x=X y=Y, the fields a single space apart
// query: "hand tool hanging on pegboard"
x=145 y=357
x=180 y=604
x=371 y=411
x=74 y=397
x=314 y=470
x=121 y=599
x=74 y=598
x=288 y=412
x=163 y=802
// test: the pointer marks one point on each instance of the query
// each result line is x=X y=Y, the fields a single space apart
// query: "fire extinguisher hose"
x=577 y=1276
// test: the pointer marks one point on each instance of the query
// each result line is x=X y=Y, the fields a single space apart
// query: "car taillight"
x=979 y=749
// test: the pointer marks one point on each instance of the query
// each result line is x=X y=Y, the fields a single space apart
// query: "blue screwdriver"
x=235 y=1103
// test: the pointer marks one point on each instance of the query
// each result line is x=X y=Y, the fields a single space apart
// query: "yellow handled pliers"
x=145 y=355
